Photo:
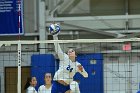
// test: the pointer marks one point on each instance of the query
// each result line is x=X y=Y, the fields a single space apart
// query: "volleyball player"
x=30 y=85
x=46 y=88
x=68 y=67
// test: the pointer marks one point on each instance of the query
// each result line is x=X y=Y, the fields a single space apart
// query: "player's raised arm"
x=54 y=30
x=58 y=49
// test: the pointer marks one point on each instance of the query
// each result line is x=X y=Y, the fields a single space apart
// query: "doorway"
x=11 y=78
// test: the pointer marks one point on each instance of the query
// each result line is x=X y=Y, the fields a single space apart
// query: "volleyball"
x=54 y=29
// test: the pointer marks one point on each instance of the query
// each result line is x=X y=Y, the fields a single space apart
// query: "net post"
x=19 y=68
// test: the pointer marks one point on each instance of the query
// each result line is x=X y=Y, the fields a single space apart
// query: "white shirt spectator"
x=31 y=89
x=43 y=89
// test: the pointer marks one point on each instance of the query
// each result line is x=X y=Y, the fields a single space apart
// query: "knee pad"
x=74 y=86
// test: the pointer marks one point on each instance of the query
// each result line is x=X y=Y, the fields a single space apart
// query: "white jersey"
x=43 y=89
x=67 y=68
x=31 y=89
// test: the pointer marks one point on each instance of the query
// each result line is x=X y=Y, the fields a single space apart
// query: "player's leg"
x=74 y=86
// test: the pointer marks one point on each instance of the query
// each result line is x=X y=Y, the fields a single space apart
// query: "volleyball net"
x=113 y=65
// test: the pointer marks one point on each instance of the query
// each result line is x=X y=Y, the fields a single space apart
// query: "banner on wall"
x=11 y=17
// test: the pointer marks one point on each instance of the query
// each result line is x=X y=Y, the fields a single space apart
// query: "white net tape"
x=71 y=41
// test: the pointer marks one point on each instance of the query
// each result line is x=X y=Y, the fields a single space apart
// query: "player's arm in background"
x=82 y=71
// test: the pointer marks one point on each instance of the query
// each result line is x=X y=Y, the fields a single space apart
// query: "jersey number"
x=69 y=68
